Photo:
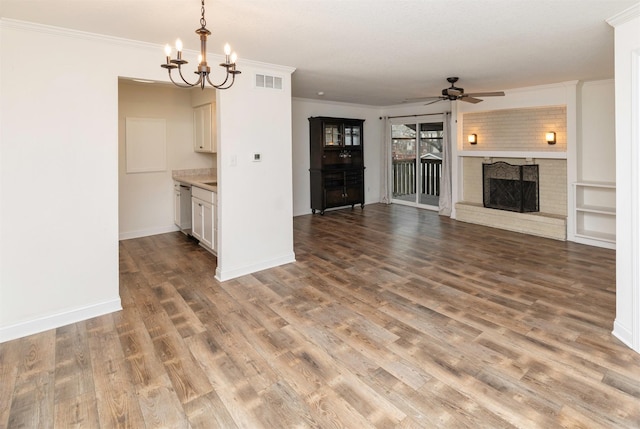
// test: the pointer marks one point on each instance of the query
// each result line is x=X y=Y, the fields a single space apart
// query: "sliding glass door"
x=416 y=159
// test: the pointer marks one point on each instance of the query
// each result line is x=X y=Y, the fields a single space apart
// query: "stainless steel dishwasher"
x=185 y=208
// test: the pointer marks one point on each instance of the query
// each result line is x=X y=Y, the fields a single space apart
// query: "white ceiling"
x=374 y=52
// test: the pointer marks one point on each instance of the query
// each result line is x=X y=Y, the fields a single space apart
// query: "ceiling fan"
x=454 y=93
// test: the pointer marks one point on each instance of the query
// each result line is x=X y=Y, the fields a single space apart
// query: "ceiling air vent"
x=266 y=81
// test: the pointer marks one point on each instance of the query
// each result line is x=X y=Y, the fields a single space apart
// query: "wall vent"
x=270 y=82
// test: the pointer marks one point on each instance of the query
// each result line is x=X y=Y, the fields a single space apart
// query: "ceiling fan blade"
x=468 y=99
x=486 y=94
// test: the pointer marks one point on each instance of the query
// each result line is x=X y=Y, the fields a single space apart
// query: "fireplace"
x=511 y=187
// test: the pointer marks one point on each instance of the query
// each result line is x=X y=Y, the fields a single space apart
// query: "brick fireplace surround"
x=520 y=132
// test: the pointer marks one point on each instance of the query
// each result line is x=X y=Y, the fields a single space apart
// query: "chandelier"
x=203 y=70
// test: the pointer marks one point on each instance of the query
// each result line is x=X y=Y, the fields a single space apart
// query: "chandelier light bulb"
x=178 y=45
x=227 y=49
x=167 y=50
x=234 y=58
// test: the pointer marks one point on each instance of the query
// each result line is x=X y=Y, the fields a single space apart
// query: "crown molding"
x=67 y=32
x=78 y=34
x=624 y=16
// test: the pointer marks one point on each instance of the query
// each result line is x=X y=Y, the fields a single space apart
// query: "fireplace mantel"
x=512 y=154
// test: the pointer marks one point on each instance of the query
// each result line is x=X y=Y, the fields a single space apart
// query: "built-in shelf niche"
x=595 y=211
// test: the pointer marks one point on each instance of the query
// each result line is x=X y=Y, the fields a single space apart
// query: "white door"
x=196 y=218
x=207 y=225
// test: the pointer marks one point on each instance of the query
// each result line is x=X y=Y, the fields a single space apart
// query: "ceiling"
x=372 y=52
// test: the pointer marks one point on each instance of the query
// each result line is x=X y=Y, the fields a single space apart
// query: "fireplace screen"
x=510 y=187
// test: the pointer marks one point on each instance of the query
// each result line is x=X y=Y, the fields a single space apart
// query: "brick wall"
x=517 y=129
x=527 y=223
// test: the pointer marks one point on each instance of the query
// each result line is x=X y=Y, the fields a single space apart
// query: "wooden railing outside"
x=404 y=176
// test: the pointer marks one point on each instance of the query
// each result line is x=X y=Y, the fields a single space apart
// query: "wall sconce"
x=551 y=137
x=473 y=138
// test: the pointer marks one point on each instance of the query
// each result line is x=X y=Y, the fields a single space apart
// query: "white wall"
x=596 y=152
x=59 y=173
x=255 y=223
x=627 y=91
x=146 y=199
x=302 y=109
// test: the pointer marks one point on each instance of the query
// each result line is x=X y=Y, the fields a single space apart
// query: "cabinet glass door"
x=332 y=135
x=352 y=135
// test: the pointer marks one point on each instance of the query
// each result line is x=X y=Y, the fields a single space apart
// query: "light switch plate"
x=257 y=157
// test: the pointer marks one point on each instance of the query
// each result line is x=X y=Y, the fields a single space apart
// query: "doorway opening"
x=416 y=159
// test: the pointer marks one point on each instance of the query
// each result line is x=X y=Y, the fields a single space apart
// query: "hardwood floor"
x=392 y=317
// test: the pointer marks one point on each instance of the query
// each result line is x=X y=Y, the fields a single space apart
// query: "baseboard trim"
x=623 y=334
x=147 y=232
x=53 y=321
x=224 y=275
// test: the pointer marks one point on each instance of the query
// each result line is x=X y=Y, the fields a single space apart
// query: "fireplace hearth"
x=511 y=187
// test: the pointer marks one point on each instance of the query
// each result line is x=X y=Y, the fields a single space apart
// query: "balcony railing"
x=404 y=176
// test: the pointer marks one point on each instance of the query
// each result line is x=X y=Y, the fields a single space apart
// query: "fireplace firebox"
x=511 y=187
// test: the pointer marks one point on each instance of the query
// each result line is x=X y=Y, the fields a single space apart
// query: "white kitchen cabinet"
x=196 y=218
x=208 y=217
x=203 y=212
x=204 y=131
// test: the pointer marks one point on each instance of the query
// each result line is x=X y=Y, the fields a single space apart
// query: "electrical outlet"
x=257 y=157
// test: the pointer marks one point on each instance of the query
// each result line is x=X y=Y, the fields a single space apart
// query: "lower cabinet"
x=203 y=213
x=335 y=188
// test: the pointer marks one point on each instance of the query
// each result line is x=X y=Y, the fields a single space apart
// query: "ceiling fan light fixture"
x=203 y=70
x=454 y=93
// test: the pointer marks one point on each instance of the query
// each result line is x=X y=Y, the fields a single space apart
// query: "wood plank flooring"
x=392 y=317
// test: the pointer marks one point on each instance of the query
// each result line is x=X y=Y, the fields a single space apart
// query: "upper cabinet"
x=336 y=142
x=204 y=129
x=342 y=132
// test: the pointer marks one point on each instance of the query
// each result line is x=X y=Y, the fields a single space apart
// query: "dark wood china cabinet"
x=336 y=163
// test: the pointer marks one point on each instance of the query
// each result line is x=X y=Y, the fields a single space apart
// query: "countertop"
x=198 y=181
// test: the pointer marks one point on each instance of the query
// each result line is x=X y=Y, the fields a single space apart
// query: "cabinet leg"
x=313 y=211
x=361 y=205
x=321 y=212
